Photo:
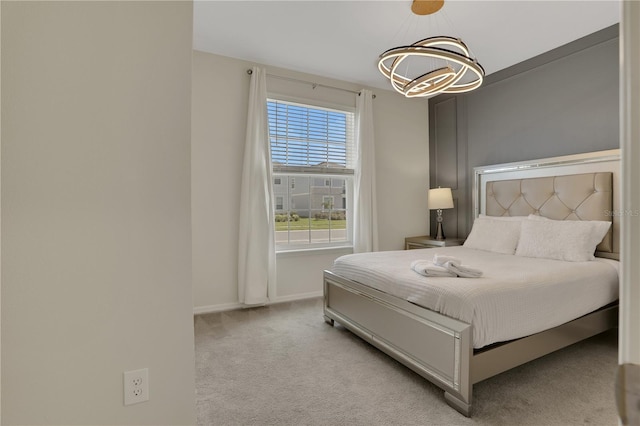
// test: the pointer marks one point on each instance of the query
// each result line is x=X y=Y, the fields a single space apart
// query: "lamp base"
x=439 y=230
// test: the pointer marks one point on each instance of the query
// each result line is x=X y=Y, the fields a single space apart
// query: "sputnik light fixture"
x=455 y=72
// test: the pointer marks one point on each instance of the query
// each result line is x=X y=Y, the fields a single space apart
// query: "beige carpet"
x=282 y=365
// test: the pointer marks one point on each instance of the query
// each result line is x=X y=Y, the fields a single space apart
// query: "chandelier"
x=449 y=67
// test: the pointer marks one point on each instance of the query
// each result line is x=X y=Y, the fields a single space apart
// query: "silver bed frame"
x=440 y=348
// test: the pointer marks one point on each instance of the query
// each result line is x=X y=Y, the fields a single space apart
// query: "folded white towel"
x=429 y=269
x=463 y=271
x=442 y=260
x=454 y=264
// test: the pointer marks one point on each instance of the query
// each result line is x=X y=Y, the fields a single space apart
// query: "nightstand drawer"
x=430 y=242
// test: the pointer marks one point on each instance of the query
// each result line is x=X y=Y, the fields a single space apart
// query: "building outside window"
x=312 y=153
x=327 y=202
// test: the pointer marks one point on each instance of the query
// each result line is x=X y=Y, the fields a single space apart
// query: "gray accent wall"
x=562 y=102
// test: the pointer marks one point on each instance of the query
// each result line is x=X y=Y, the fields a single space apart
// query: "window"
x=327 y=202
x=277 y=181
x=312 y=154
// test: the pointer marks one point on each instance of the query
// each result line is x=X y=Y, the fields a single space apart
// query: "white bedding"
x=517 y=296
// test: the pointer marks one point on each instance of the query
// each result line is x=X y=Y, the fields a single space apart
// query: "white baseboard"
x=210 y=309
x=294 y=297
x=223 y=307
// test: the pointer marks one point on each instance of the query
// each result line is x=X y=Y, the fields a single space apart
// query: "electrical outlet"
x=136 y=386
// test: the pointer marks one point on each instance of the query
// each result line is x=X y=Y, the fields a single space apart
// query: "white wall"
x=630 y=143
x=220 y=92
x=96 y=240
x=0 y=226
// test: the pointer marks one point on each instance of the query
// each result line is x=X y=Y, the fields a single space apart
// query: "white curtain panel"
x=256 y=251
x=365 y=212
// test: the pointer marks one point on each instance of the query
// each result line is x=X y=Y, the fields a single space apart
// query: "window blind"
x=310 y=139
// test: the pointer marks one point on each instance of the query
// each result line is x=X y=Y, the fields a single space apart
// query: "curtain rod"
x=313 y=85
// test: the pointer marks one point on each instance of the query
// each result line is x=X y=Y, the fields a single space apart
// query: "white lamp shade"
x=440 y=198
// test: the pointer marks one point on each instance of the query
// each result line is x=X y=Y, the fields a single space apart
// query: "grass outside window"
x=306 y=223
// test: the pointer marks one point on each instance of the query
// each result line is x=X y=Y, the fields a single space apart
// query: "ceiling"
x=343 y=39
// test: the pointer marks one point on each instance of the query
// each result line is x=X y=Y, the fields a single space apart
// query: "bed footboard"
x=438 y=348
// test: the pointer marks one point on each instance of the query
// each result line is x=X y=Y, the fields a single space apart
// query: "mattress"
x=516 y=296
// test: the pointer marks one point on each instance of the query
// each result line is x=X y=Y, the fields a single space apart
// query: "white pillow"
x=596 y=226
x=495 y=235
x=507 y=218
x=537 y=217
x=570 y=240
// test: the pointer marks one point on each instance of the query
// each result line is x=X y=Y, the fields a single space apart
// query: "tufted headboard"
x=576 y=187
x=587 y=196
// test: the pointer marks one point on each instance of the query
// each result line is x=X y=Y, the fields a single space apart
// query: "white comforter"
x=516 y=297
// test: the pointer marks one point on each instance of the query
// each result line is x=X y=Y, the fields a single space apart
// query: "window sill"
x=314 y=251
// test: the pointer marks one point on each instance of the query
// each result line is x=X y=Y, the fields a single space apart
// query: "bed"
x=455 y=331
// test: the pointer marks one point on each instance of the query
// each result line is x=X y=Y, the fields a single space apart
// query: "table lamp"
x=438 y=199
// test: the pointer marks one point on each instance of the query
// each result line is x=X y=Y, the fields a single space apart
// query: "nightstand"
x=430 y=242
